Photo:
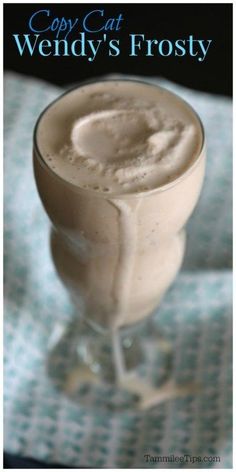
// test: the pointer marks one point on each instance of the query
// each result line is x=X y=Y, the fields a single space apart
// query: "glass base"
x=128 y=369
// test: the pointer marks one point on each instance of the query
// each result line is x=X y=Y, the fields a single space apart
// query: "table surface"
x=195 y=315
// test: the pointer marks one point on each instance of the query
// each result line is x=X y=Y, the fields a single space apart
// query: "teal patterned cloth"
x=195 y=316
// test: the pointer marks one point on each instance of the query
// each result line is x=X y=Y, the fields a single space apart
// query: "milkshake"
x=119 y=167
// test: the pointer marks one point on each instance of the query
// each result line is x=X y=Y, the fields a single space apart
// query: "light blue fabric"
x=195 y=315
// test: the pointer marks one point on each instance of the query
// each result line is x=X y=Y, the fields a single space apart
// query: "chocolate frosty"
x=120 y=170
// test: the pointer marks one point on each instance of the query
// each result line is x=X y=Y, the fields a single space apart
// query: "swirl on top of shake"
x=123 y=138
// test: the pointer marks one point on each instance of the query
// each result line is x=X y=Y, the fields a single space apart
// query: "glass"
x=117 y=254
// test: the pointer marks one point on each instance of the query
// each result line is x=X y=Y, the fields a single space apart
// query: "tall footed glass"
x=117 y=254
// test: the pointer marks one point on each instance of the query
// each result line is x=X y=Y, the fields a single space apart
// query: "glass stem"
x=118 y=355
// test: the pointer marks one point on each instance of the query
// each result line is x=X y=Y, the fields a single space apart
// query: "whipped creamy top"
x=119 y=137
